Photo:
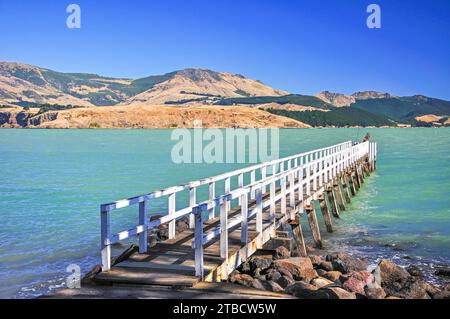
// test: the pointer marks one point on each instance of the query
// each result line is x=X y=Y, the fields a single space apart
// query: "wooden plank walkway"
x=213 y=246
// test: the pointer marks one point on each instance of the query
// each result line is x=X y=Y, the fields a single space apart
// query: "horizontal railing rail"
x=287 y=168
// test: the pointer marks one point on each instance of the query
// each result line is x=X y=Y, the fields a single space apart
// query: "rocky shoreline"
x=334 y=276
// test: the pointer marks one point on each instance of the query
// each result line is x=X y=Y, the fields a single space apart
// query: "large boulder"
x=414 y=289
x=391 y=277
x=443 y=271
x=333 y=276
x=334 y=293
x=374 y=293
x=285 y=281
x=302 y=290
x=261 y=262
x=272 y=286
x=344 y=262
x=242 y=279
x=321 y=282
x=326 y=265
x=315 y=259
x=356 y=281
x=255 y=265
x=301 y=268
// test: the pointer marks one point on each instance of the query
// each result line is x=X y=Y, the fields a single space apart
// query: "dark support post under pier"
x=337 y=190
x=357 y=181
x=312 y=219
x=325 y=212
x=332 y=200
x=298 y=237
x=345 y=186
x=352 y=183
x=360 y=173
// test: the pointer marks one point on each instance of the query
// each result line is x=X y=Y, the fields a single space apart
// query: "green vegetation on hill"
x=48 y=107
x=340 y=117
x=404 y=109
x=305 y=100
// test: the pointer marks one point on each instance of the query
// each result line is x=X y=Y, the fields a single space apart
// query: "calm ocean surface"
x=53 y=181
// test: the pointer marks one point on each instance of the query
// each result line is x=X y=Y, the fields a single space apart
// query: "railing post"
x=259 y=217
x=227 y=190
x=212 y=195
x=198 y=239
x=224 y=230
x=252 y=181
x=240 y=185
x=272 y=205
x=292 y=190
x=192 y=203
x=143 y=220
x=172 y=209
x=308 y=179
x=314 y=175
x=263 y=177
x=105 y=236
x=283 y=194
x=244 y=218
x=300 y=187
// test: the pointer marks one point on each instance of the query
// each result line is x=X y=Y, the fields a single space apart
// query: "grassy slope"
x=404 y=109
x=336 y=117
x=297 y=99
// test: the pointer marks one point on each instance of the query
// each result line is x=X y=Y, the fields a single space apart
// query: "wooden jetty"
x=229 y=227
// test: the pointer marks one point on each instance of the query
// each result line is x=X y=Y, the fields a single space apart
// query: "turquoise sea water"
x=53 y=181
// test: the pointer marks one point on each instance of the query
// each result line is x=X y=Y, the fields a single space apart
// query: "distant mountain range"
x=25 y=86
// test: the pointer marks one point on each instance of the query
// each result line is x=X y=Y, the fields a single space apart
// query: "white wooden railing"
x=305 y=172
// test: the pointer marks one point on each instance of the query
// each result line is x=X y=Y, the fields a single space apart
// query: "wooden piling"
x=337 y=191
x=352 y=183
x=360 y=173
x=298 y=236
x=345 y=187
x=312 y=219
x=325 y=212
x=356 y=178
x=332 y=200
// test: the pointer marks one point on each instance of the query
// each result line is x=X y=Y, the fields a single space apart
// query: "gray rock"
x=334 y=293
x=242 y=279
x=282 y=253
x=321 y=272
x=374 y=293
x=302 y=290
x=333 y=275
x=443 y=272
x=258 y=284
x=300 y=268
x=275 y=276
x=414 y=271
x=326 y=265
x=321 y=282
x=272 y=286
x=285 y=281
x=261 y=262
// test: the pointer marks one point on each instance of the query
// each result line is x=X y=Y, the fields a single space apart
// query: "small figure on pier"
x=366 y=138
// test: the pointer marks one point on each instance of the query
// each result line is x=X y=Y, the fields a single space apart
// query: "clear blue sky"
x=300 y=46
